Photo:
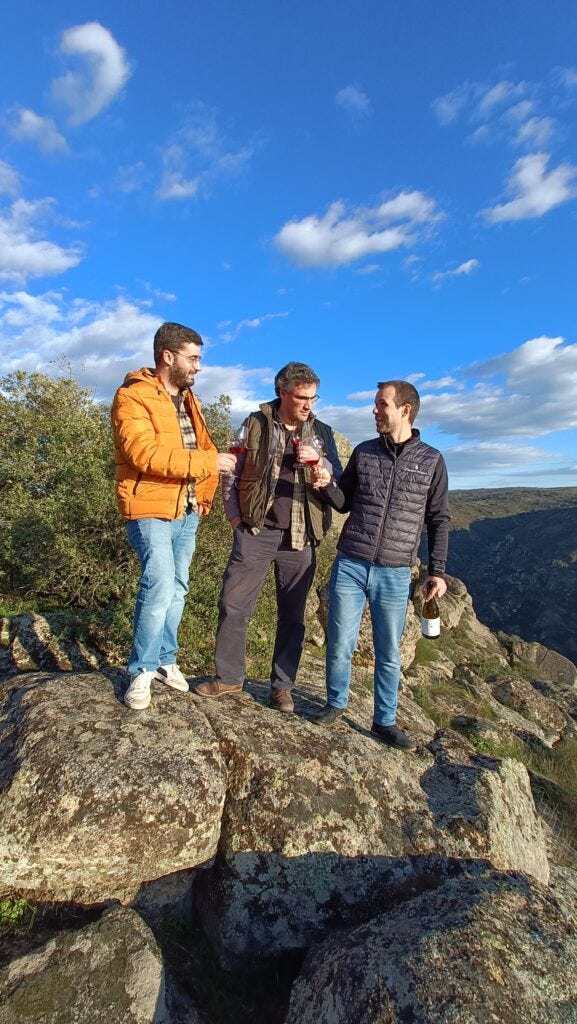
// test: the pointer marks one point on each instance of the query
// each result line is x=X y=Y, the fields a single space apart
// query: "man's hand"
x=320 y=476
x=225 y=462
x=434 y=586
x=235 y=522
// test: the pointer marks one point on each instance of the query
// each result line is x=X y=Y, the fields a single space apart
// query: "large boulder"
x=95 y=799
x=109 y=971
x=527 y=701
x=321 y=826
x=490 y=950
x=551 y=665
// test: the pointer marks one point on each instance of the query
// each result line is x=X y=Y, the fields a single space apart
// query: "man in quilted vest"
x=391 y=486
x=167 y=470
x=277 y=518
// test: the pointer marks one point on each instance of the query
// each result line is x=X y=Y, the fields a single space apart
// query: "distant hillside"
x=516 y=551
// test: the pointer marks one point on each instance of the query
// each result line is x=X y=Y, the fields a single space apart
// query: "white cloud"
x=106 y=69
x=337 y=239
x=356 y=424
x=492 y=455
x=568 y=77
x=369 y=268
x=536 y=131
x=103 y=341
x=478 y=101
x=198 y=154
x=529 y=392
x=465 y=268
x=19 y=309
x=23 y=252
x=520 y=111
x=131 y=178
x=174 y=185
x=535 y=191
x=499 y=94
x=362 y=396
x=435 y=385
x=251 y=323
x=41 y=131
x=354 y=102
x=450 y=106
x=9 y=180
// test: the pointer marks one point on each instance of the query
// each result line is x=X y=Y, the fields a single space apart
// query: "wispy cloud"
x=354 y=102
x=106 y=70
x=535 y=190
x=9 y=180
x=465 y=269
x=339 y=238
x=198 y=154
x=536 y=131
x=490 y=456
x=230 y=331
x=506 y=111
x=26 y=126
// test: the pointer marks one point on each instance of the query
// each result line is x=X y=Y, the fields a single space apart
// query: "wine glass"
x=237 y=444
x=308 y=447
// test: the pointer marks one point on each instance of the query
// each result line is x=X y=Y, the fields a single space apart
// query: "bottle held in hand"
x=431 y=619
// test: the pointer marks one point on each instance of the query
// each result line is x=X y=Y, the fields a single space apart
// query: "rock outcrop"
x=109 y=971
x=94 y=800
x=321 y=826
x=304 y=835
x=491 y=950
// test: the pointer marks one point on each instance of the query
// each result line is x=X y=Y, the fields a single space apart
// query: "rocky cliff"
x=210 y=862
x=519 y=562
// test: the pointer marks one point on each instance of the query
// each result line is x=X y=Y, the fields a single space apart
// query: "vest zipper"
x=387 y=499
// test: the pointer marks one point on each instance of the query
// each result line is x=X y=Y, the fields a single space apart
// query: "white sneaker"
x=137 y=695
x=171 y=676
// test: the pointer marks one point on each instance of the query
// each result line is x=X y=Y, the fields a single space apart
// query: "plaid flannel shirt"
x=189 y=441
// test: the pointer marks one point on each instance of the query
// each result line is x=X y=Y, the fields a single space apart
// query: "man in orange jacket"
x=167 y=470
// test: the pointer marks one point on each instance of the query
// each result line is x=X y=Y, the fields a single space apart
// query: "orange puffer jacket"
x=152 y=465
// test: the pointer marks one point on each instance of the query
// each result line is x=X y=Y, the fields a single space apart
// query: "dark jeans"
x=244 y=576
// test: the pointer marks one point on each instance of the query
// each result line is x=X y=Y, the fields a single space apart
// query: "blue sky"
x=378 y=189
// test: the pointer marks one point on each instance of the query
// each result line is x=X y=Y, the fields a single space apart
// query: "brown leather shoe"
x=281 y=700
x=216 y=689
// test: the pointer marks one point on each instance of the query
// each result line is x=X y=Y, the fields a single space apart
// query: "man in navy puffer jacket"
x=391 y=486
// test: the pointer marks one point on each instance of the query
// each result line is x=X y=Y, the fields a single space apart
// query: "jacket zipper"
x=387 y=499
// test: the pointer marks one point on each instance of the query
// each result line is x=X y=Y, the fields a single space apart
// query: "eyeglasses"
x=304 y=398
x=193 y=360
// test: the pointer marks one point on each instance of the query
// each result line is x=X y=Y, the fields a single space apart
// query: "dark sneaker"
x=328 y=715
x=393 y=736
x=217 y=689
x=282 y=701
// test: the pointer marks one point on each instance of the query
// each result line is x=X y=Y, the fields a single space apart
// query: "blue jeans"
x=352 y=583
x=165 y=548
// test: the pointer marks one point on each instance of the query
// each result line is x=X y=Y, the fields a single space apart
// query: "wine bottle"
x=431 y=619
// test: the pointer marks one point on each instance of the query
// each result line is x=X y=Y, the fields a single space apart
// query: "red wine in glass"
x=238 y=441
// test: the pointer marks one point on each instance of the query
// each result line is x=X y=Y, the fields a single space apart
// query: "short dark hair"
x=173 y=337
x=405 y=394
x=294 y=373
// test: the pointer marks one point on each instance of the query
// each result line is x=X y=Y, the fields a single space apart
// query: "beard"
x=179 y=378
